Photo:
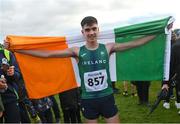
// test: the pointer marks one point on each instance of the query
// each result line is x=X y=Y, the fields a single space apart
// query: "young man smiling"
x=93 y=62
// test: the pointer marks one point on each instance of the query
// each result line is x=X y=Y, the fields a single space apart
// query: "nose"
x=91 y=32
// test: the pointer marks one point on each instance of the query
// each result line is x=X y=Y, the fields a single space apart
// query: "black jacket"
x=175 y=60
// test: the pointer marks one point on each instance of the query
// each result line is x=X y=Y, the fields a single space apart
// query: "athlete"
x=93 y=62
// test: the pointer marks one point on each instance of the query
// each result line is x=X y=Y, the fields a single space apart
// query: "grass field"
x=130 y=112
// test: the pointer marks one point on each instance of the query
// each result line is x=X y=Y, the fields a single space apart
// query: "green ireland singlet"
x=94 y=72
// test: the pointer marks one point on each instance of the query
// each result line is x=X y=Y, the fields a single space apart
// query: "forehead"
x=90 y=26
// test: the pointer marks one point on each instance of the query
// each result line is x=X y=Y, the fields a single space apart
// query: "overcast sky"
x=62 y=17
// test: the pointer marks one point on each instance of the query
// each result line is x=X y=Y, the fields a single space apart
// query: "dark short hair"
x=89 y=20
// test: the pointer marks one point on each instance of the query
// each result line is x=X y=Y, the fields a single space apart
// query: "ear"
x=82 y=31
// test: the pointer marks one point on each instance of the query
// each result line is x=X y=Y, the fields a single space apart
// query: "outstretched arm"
x=114 y=47
x=69 y=52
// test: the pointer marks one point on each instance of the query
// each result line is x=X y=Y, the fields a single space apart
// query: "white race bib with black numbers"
x=96 y=80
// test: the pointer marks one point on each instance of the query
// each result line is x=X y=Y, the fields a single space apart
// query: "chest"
x=97 y=57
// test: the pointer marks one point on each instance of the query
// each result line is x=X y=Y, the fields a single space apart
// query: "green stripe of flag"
x=145 y=62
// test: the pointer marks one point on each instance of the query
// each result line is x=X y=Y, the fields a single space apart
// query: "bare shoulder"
x=109 y=47
x=75 y=50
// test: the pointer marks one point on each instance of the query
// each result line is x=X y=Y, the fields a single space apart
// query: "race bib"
x=95 y=81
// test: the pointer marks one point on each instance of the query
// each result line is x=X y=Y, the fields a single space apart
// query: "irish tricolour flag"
x=44 y=77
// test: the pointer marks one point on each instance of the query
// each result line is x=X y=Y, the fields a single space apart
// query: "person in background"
x=115 y=90
x=174 y=73
x=133 y=89
x=25 y=105
x=3 y=87
x=43 y=107
x=143 y=92
x=70 y=104
x=171 y=87
x=55 y=109
x=9 y=74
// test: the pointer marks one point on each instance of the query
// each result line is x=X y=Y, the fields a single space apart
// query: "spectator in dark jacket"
x=175 y=70
x=10 y=73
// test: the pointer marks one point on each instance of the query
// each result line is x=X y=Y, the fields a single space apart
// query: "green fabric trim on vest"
x=6 y=53
x=17 y=96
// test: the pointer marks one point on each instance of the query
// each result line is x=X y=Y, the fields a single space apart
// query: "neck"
x=92 y=45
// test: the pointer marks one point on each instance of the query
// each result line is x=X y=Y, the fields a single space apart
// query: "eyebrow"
x=88 y=29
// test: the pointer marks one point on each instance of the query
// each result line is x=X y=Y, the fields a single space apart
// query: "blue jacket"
x=10 y=95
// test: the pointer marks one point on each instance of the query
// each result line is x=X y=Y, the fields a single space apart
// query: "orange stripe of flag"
x=44 y=76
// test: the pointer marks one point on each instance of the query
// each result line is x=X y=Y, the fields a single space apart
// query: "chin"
x=93 y=40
